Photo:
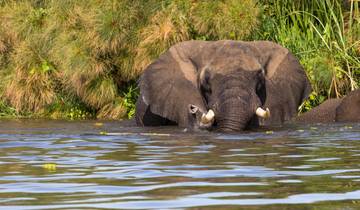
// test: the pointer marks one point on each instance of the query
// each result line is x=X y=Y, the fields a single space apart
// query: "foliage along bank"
x=81 y=59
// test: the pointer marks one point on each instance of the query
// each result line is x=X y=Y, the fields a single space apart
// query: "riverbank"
x=81 y=59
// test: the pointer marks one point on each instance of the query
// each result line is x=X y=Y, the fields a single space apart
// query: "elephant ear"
x=287 y=85
x=168 y=86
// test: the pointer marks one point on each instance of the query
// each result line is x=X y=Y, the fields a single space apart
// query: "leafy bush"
x=7 y=111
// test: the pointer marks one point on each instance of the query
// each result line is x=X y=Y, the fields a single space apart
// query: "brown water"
x=76 y=165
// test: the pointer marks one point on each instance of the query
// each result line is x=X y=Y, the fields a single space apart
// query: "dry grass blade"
x=167 y=27
x=230 y=19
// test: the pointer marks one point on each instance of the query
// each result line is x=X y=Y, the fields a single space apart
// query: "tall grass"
x=225 y=19
x=167 y=26
x=55 y=54
x=27 y=77
x=67 y=47
x=325 y=37
x=77 y=58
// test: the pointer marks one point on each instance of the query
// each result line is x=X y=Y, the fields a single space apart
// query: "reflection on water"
x=61 y=165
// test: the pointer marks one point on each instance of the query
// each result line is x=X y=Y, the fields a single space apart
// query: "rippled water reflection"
x=62 y=165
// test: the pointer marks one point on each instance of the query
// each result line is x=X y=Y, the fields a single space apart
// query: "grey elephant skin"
x=346 y=109
x=232 y=78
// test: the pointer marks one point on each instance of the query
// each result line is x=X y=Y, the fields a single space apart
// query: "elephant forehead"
x=225 y=65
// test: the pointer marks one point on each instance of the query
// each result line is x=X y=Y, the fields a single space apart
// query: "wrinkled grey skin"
x=232 y=78
x=346 y=109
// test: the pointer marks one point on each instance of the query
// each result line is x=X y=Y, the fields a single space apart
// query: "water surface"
x=108 y=165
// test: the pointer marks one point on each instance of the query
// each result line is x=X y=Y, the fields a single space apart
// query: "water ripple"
x=74 y=165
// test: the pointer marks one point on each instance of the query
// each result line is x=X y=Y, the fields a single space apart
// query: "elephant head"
x=349 y=108
x=228 y=85
x=235 y=90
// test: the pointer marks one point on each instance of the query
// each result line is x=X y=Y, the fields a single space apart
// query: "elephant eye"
x=205 y=81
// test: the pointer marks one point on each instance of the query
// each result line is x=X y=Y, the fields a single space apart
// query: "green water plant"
x=7 y=111
x=130 y=96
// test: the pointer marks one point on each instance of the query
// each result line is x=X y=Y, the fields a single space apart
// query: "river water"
x=109 y=165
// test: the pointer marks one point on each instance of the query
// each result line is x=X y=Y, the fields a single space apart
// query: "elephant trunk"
x=236 y=102
x=237 y=109
x=233 y=115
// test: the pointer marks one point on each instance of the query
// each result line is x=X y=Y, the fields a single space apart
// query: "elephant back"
x=324 y=113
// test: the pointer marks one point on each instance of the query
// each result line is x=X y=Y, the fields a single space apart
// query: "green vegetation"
x=325 y=35
x=81 y=59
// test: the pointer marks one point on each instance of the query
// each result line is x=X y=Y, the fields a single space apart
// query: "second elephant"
x=346 y=109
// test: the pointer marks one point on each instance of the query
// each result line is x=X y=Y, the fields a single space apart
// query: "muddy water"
x=91 y=165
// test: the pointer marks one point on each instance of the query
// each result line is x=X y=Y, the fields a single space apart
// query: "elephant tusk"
x=262 y=113
x=208 y=117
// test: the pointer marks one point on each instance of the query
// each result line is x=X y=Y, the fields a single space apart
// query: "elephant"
x=221 y=85
x=346 y=109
